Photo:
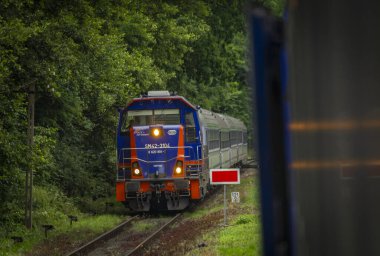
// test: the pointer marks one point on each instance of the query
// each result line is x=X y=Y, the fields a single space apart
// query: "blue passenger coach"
x=165 y=148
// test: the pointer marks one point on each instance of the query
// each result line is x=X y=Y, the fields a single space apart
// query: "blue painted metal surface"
x=259 y=46
x=142 y=138
x=157 y=156
x=270 y=77
x=284 y=72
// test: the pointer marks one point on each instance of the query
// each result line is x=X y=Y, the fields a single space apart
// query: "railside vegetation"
x=242 y=235
x=86 y=59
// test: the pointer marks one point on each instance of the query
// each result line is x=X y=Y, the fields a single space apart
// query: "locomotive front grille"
x=132 y=186
x=181 y=184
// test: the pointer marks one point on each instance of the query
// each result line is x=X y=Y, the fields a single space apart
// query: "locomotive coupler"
x=157 y=188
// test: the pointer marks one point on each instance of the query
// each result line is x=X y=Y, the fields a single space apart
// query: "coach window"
x=225 y=140
x=240 y=137
x=244 y=137
x=213 y=139
x=190 y=128
x=234 y=137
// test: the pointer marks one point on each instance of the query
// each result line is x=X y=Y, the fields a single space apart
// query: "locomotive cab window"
x=149 y=117
x=166 y=116
x=136 y=118
x=190 y=128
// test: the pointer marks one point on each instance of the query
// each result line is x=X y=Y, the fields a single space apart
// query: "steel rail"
x=250 y=164
x=138 y=247
x=88 y=245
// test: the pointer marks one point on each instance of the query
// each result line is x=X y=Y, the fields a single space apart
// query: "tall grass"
x=51 y=207
x=243 y=235
x=242 y=238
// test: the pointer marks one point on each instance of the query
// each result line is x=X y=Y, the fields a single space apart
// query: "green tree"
x=88 y=57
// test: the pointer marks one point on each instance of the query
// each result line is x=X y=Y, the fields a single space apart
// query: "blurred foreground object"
x=324 y=198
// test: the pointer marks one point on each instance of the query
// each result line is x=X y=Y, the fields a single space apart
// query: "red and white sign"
x=224 y=176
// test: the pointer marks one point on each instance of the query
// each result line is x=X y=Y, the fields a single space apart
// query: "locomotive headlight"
x=178 y=167
x=137 y=171
x=156 y=132
x=178 y=170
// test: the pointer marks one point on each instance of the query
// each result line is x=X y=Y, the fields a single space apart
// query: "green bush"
x=51 y=206
x=98 y=205
x=244 y=219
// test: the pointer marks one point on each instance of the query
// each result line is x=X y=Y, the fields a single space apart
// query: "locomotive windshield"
x=150 y=117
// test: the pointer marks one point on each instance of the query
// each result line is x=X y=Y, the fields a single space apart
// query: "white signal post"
x=224 y=177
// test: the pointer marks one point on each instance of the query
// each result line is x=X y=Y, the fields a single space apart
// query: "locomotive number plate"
x=160 y=145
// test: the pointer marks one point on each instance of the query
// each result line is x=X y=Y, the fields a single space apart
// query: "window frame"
x=192 y=126
x=213 y=139
x=139 y=112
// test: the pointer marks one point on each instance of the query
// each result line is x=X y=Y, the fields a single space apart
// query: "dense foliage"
x=87 y=57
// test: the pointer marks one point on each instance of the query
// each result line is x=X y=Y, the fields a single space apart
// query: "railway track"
x=124 y=239
x=88 y=246
x=249 y=164
x=155 y=233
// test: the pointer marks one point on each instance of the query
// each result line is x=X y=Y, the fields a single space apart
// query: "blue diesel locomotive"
x=165 y=148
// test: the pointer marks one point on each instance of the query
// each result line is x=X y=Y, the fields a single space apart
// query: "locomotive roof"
x=144 y=98
x=208 y=118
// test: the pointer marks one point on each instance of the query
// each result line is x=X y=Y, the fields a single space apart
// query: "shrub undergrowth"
x=51 y=206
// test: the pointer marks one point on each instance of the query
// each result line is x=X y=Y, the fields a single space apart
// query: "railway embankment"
x=199 y=231
x=52 y=208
